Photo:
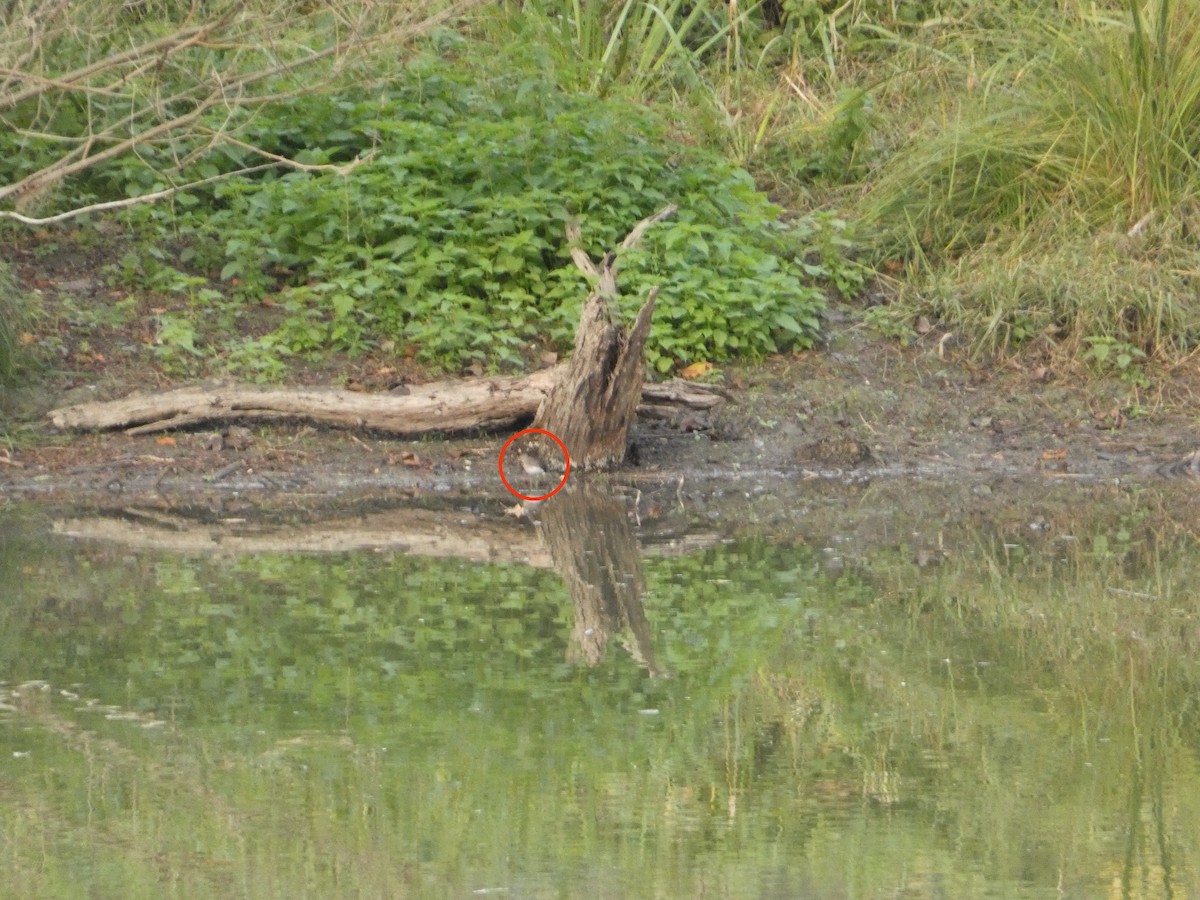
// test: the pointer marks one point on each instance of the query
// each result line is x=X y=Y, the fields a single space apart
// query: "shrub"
x=452 y=241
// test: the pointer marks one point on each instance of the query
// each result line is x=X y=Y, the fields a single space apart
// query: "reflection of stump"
x=593 y=403
x=594 y=550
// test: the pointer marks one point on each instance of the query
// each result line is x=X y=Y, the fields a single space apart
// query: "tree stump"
x=593 y=403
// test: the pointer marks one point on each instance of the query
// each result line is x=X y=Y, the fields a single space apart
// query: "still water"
x=1001 y=712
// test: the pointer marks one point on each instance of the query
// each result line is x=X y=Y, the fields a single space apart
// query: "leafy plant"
x=452 y=242
x=1112 y=355
x=176 y=340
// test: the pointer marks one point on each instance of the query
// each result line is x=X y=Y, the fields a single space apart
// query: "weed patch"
x=451 y=243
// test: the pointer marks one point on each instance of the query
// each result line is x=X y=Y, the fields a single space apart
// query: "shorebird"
x=531 y=465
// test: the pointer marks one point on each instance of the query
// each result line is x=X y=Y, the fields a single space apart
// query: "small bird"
x=531 y=465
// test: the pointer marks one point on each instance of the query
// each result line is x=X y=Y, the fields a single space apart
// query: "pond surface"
x=997 y=712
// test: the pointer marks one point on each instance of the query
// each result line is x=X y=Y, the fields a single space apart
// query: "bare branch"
x=149 y=119
x=134 y=201
x=172 y=42
x=293 y=164
x=578 y=255
x=639 y=230
x=177 y=189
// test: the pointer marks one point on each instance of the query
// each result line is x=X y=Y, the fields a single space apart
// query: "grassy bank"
x=1022 y=174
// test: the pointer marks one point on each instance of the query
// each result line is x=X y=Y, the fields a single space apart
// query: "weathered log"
x=438 y=407
x=589 y=402
x=593 y=403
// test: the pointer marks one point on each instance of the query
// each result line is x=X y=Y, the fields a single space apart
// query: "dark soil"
x=858 y=410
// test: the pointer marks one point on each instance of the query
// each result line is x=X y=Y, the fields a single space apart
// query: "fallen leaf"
x=1054 y=454
x=27 y=338
x=165 y=440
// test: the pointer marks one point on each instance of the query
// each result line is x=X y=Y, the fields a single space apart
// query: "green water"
x=1009 y=716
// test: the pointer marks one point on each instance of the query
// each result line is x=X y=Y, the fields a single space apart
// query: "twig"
x=69 y=81
x=293 y=164
x=219 y=93
x=129 y=201
x=639 y=230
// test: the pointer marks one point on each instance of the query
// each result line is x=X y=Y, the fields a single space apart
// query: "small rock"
x=842 y=453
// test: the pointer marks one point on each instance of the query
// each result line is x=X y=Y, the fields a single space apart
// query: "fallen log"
x=444 y=406
x=588 y=402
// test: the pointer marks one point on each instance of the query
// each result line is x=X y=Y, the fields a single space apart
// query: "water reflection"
x=1018 y=720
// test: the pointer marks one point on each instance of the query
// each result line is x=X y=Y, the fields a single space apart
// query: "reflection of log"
x=418 y=532
x=592 y=404
x=594 y=550
x=588 y=535
x=441 y=406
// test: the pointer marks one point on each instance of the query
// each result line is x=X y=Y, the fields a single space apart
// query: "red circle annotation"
x=566 y=456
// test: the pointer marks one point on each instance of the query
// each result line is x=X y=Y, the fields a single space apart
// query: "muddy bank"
x=856 y=411
x=859 y=444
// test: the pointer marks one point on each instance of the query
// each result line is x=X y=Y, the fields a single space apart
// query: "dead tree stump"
x=594 y=401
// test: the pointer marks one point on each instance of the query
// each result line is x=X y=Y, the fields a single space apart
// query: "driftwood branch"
x=490 y=403
x=589 y=402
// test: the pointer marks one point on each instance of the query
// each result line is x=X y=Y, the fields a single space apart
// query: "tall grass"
x=643 y=47
x=1052 y=173
x=1129 y=106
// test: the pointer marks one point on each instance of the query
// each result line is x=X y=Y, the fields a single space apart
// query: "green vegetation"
x=1023 y=173
x=12 y=313
x=452 y=242
x=1016 y=717
x=1051 y=200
